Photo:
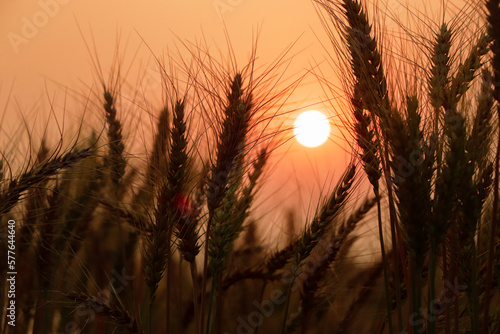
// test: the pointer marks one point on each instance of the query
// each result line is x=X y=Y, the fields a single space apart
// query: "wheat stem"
x=493 y=12
x=231 y=142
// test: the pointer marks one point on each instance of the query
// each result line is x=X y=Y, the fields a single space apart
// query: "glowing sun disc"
x=311 y=128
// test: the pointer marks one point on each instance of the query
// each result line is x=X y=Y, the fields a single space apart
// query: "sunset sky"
x=42 y=51
x=41 y=39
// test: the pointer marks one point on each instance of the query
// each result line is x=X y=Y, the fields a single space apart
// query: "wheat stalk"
x=364 y=294
x=467 y=71
x=322 y=221
x=230 y=145
x=319 y=225
x=229 y=223
x=310 y=285
x=157 y=166
x=12 y=193
x=370 y=93
x=167 y=214
x=115 y=313
x=35 y=202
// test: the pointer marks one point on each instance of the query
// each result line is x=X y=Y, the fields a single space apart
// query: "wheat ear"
x=319 y=225
x=157 y=166
x=35 y=202
x=326 y=215
x=10 y=196
x=230 y=145
x=167 y=213
x=311 y=284
x=116 y=160
x=116 y=313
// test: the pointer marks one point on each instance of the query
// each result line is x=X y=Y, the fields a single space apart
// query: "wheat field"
x=98 y=240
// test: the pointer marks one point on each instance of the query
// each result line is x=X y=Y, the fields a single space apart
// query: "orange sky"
x=41 y=38
x=41 y=45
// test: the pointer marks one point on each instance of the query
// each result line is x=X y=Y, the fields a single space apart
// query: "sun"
x=311 y=128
